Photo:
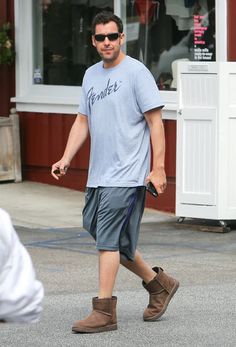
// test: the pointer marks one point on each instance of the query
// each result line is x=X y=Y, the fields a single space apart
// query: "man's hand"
x=158 y=179
x=59 y=168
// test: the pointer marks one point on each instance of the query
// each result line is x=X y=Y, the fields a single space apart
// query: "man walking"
x=121 y=109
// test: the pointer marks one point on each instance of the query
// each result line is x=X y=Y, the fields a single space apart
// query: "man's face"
x=108 y=49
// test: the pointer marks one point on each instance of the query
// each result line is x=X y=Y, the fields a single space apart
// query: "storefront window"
x=62 y=40
x=159 y=33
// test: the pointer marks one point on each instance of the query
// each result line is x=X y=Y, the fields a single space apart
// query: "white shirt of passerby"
x=20 y=293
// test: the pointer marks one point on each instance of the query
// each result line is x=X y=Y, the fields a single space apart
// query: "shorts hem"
x=107 y=248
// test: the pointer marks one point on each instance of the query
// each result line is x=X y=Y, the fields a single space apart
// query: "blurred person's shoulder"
x=5 y=227
x=6 y=236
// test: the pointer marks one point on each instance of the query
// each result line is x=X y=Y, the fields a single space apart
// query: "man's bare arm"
x=157 y=175
x=77 y=136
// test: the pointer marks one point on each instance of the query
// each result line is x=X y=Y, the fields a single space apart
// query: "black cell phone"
x=57 y=171
x=152 y=190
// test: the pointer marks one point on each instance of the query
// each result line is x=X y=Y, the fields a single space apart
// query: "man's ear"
x=93 y=41
x=122 y=38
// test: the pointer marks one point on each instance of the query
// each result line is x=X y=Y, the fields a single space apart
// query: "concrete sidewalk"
x=202 y=313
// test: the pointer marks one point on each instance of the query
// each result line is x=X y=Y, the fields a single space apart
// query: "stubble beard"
x=110 y=59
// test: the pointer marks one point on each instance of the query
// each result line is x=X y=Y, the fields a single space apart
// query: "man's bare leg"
x=139 y=267
x=160 y=286
x=109 y=262
x=103 y=316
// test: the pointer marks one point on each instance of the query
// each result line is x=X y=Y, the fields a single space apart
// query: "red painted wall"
x=166 y=202
x=7 y=73
x=43 y=140
x=231 y=30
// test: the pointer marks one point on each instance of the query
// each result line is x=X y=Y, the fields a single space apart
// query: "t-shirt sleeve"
x=83 y=102
x=146 y=91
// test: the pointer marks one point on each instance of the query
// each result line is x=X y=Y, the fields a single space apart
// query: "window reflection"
x=62 y=40
x=159 y=33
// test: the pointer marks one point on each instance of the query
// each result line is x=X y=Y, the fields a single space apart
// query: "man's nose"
x=107 y=41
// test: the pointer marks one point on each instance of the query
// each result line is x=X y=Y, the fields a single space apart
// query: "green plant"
x=7 y=53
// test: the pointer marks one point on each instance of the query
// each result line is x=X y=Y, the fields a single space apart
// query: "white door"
x=227 y=140
x=196 y=134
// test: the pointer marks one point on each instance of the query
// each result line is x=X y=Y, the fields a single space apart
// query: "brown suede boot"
x=102 y=318
x=161 y=290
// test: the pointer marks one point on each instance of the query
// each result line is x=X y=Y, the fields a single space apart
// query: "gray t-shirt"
x=115 y=100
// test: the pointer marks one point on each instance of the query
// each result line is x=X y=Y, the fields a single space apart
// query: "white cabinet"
x=206 y=141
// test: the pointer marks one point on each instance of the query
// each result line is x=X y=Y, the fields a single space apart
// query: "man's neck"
x=107 y=64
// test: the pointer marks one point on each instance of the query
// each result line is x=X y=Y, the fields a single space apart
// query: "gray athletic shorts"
x=112 y=215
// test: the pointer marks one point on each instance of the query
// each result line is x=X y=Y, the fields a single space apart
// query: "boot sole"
x=94 y=330
x=157 y=316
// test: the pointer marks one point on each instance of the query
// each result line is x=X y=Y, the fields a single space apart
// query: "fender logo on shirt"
x=110 y=88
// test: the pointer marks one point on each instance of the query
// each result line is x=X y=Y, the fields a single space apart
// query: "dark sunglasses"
x=102 y=37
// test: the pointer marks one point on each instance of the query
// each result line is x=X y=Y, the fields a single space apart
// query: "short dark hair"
x=105 y=17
